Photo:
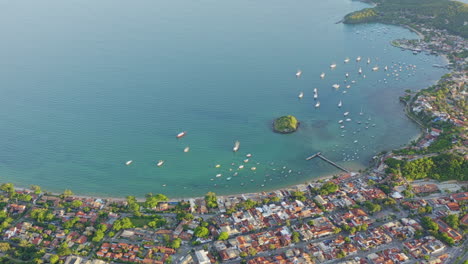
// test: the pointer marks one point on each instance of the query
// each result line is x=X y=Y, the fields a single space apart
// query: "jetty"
x=319 y=154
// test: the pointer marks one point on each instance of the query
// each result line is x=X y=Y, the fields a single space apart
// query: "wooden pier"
x=319 y=154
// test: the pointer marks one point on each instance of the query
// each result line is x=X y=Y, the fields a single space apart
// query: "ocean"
x=88 y=85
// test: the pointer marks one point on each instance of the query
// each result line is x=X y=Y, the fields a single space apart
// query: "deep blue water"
x=87 y=85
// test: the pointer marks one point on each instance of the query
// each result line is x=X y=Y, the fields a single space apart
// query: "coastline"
x=307 y=180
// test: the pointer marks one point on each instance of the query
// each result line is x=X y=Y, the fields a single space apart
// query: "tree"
x=201 y=232
x=175 y=244
x=328 y=188
x=429 y=224
x=7 y=187
x=223 y=236
x=211 y=200
x=36 y=189
x=298 y=195
x=98 y=236
x=4 y=247
x=295 y=237
x=452 y=220
x=54 y=259
x=63 y=250
x=67 y=193
x=252 y=251
x=76 y=203
x=336 y=230
x=153 y=201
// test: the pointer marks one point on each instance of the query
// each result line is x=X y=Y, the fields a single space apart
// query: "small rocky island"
x=285 y=124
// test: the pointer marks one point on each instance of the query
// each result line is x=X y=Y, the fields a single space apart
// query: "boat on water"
x=236 y=146
x=322 y=75
x=301 y=94
x=340 y=103
x=360 y=70
x=218 y=175
x=348 y=86
x=228 y=178
x=181 y=134
x=346 y=75
x=375 y=68
x=336 y=86
x=248 y=155
x=385 y=68
x=129 y=162
x=160 y=163
x=317 y=105
x=361 y=113
x=333 y=66
x=346 y=113
x=340 y=122
x=246 y=160
x=341 y=127
x=298 y=73
x=253 y=168
x=368 y=60
x=315 y=90
x=241 y=167
x=346 y=60
x=315 y=96
x=348 y=119
x=358 y=59
x=186 y=149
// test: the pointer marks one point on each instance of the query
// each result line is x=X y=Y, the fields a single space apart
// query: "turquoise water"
x=87 y=85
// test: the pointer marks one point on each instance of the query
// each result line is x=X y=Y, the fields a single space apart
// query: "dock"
x=319 y=154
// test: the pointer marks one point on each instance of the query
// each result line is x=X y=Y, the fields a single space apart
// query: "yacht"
x=241 y=167
x=348 y=119
x=346 y=113
x=317 y=105
x=253 y=168
x=375 y=68
x=340 y=122
x=368 y=60
x=301 y=94
x=358 y=59
x=186 y=149
x=236 y=146
x=333 y=66
x=340 y=104
x=322 y=75
x=315 y=90
x=218 y=175
x=248 y=155
x=129 y=162
x=346 y=60
x=160 y=163
x=336 y=86
x=360 y=70
x=298 y=73
x=385 y=68
x=346 y=75
x=348 y=86
x=315 y=96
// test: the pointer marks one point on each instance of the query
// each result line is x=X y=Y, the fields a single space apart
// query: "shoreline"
x=306 y=181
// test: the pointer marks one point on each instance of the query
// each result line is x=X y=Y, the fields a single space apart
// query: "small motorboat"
x=346 y=113
x=129 y=162
x=317 y=105
x=181 y=134
x=186 y=149
x=160 y=163
x=322 y=75
x=298 y=74
x=301 y=94
x=236 y=146
x=336 y=86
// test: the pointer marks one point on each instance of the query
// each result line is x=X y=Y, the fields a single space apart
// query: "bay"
x=88 y=85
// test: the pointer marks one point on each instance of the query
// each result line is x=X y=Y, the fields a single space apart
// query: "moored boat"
x=236 y=146
x=298 y=74
x=160 y=163
x=181 y=134
x=129 y=162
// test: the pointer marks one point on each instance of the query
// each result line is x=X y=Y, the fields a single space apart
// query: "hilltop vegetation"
x=285 y=124
x=440 y=14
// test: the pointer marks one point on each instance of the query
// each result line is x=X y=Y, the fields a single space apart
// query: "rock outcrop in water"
x=286 y=124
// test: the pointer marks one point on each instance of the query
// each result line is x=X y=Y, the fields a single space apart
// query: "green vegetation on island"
x=285 y=124
x=440 y=14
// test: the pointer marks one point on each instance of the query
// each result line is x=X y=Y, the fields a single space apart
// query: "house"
x=202 y=257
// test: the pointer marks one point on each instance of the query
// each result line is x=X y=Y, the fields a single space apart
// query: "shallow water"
x=86 y=86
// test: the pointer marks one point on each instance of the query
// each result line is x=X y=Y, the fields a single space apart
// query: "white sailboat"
x=333 y=66
x=348 y=86
x=236 y=146
x=322 y=75
x=160 y=163
x=358 y=59
x=301 y=94
x=360 y=70
x=186 y=149
x=298 y=73
x=317 y=105
x=368 y=60
x=361 y=113
x=346 y=75
x=315 y=90
x=340 y=103
x=346 y=113
x=386 y=68
x=315 y=96
x=346 y=60
x=340 y=122
x=129 y=162
x=336 y=86
x=375 y=68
